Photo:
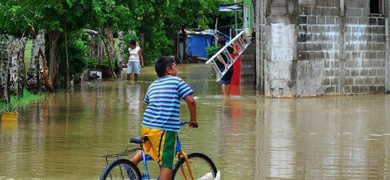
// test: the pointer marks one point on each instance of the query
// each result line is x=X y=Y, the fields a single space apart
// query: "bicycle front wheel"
x=202 y=167
x=121 y=169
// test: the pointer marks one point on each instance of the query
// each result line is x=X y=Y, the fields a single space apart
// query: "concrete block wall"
x=260 y=39
x=336 y=50
x=319 y=37
x=350 y=44
x=277 y=40
x=365 y=50
x=248 y=67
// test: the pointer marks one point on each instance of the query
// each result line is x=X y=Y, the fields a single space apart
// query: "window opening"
x=377 y=6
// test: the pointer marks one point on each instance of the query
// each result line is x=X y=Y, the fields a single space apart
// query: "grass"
x=27 y=99
x=27 y=54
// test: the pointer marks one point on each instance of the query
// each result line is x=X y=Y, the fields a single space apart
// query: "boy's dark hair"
x=162 y=63
x=222 y=40
x=132 y=41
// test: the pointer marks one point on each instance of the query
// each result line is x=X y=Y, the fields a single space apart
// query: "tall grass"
x=27 y=99
x=27 y=54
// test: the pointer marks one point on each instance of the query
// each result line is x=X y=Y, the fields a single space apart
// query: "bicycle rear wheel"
x=202 y=167
x=121 y=169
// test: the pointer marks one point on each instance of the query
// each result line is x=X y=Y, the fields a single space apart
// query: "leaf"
x=70 y=3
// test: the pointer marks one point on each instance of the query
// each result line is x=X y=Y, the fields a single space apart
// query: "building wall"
x=248 y=59
x=320 y=47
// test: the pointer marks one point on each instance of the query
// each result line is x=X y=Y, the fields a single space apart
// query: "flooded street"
x=246 y=135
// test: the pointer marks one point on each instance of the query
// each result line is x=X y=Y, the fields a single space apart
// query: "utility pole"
x=248 y=17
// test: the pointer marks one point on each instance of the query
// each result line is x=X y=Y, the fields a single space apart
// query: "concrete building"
x=322 y=47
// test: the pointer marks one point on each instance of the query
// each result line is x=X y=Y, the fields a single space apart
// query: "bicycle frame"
x=182 y=153
x=126 y=152
x=145 y=158
x=179 y=152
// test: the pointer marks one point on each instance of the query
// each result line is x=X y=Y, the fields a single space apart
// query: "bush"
x=77 y=59
x=211 y=51
x=156 y=45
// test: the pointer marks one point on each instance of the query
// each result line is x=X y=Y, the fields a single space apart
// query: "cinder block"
x=329 y=90
x=326 y=82
x=279 y=3
x=330 y=20
x=278 y=10
x=372 y=89
x=364 y=89
x=278 y=19
x=381 y=89
x=359 y=81
x=355 y=89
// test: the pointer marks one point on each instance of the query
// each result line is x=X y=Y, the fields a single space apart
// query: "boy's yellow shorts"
x=161 y=145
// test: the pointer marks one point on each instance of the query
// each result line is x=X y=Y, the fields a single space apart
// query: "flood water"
x=246 y=135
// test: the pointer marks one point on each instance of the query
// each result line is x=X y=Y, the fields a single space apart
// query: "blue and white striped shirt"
x=163 y=103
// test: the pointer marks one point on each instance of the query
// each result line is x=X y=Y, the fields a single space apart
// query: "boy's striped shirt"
x=163 y=99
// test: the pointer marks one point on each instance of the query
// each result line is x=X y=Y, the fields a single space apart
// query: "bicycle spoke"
x=201 y=166
x=121 y=169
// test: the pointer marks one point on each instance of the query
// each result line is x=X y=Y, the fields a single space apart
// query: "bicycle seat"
x=139 y=140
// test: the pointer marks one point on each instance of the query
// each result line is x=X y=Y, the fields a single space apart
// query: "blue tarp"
x=197 y=44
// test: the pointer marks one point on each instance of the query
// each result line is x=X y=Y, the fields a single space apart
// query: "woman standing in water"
x=135 y=61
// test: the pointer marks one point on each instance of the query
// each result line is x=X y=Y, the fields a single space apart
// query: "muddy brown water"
x=247 y=136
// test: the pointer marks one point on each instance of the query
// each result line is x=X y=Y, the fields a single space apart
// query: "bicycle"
x=199 y=166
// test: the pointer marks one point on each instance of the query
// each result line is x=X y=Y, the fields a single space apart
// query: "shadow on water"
x=247 y=136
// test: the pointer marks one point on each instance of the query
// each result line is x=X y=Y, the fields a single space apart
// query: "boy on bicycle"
x=161 y=120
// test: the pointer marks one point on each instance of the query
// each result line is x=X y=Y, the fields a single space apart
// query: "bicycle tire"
x=116 y=170
x=202 y=167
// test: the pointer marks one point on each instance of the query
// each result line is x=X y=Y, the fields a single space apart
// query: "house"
x=321 y=47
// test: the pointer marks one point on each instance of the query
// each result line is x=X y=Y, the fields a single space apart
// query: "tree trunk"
x=53 y=57
x=11 y=56
x=41 y=53
x=110 y=48
x=92 y=43
x=121 y=50
x=45 y=75
x=16 y=78
x=22 y=67
x=67 y=79
x=34 y=82
x=4 y=68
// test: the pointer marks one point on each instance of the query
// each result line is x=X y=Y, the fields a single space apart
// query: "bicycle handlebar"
x=193 y=124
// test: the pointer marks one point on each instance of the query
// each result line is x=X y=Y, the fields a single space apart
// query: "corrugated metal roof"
x=231 y=7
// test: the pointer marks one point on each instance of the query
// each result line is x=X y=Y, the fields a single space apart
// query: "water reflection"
x=248 y=136
x=134 y=99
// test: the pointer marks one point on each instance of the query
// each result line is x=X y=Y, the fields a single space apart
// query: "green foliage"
x=27 y=54
x=14 y=18
x=9 y=108
x=156 y=47
x=28 y=98
x=211 y=51
x=16 y=102
x=158 y=21
x=77 y=59
x=127 y=38
x=106 y=62
x=92 y=63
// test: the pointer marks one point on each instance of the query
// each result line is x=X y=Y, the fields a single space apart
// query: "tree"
x=159 y=21
x=155 y=21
